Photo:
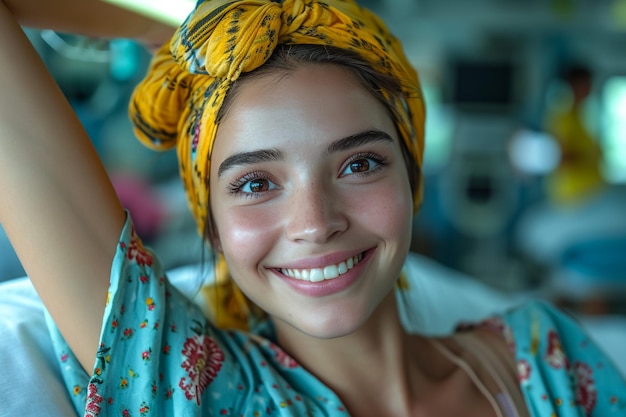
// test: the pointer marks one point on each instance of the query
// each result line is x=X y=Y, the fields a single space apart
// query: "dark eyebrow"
x=359 y=139
x=265 y=155
x=253 y=157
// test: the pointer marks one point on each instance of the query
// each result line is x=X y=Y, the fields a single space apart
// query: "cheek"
x=246 y=233
x=389 y=209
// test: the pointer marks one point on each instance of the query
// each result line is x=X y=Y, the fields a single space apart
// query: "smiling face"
x=310 y=198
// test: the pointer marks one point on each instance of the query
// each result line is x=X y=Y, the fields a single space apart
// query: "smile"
x=325 y=273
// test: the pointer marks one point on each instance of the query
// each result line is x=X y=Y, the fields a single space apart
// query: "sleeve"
x=157 y=350
x=562 y=372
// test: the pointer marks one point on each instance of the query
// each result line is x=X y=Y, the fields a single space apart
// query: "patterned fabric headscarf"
x=178 y=102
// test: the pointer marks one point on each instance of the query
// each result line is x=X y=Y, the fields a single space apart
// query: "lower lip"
x=329 y=286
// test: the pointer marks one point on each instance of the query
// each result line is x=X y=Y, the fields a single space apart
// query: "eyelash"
x=235 y=187
x=380 y=161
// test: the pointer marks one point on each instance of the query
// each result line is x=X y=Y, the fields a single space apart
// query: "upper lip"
x=319 y=261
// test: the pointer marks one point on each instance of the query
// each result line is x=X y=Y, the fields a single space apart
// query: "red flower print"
x=128 y=333
x=145 y=355
x=137 y=252
x=282 y=357
x=150 y=303
x=142 y=257
x=144 y=409
x=92 y=409
x=203 y=361
x=523 y=370
x=586 y=394
x=554 y=354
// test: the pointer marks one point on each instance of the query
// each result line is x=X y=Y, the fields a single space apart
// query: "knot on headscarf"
x=177 y=103
x=228 y=37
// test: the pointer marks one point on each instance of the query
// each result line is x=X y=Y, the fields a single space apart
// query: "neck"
x=377 y=358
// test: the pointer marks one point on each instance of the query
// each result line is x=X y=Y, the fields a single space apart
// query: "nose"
x=315 y=214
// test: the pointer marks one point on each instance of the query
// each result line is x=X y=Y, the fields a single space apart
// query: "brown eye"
x=363 y=164
x=252 y=184
x=259 y=185
x=360 y=165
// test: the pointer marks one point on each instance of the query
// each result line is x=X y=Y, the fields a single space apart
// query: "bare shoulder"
x=495 y=363
x=460 y=383
x=496 y=340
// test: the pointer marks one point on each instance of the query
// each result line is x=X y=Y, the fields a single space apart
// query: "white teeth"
x=317 y=275
x=321 y=274
x=331 y=271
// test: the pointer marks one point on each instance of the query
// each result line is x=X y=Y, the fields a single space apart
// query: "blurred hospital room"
x=525 y=161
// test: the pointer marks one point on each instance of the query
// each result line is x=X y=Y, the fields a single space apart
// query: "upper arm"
x=96 y=18
x=56 y=202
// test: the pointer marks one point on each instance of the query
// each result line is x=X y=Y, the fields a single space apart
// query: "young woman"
x=299 y=131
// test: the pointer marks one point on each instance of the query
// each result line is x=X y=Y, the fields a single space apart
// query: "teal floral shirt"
x=159 y=355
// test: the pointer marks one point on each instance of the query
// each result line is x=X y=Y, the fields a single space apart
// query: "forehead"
x=310 y=104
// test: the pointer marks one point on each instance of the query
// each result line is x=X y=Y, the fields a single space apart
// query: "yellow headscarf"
x=177 y=103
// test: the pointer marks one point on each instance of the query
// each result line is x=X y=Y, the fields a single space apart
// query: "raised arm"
x=56 y=202
x=88 y=17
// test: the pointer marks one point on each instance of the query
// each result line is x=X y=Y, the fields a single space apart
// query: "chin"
x=332 y=323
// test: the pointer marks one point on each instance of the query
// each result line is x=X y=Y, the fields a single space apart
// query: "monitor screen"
x=482 y=83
